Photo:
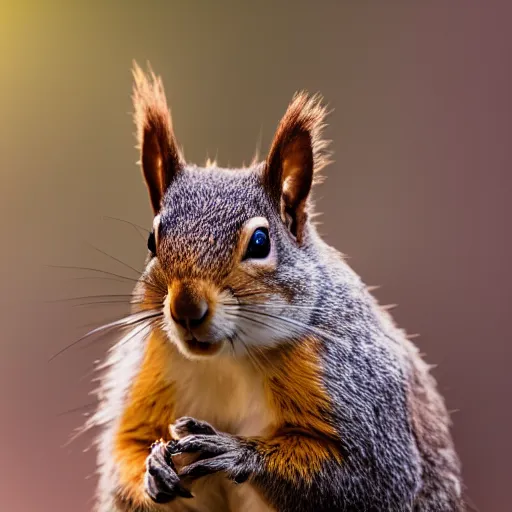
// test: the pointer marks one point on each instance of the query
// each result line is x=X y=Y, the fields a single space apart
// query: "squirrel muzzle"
x=191 y=307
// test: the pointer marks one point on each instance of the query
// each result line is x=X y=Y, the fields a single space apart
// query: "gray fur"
x=392 y=422
x=390 y=419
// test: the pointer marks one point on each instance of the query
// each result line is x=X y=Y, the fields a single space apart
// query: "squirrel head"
x=230 y=249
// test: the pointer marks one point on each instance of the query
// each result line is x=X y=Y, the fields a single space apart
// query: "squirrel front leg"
x=285 y=466
x=147 y=479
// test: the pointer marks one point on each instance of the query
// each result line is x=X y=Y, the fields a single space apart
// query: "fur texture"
x=295 y=391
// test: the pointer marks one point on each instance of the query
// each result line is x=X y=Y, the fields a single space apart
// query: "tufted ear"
x=296 y=155
x=161 y=157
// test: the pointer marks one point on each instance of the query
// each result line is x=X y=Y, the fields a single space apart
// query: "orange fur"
x=295 y=391
x=146 y=418
x=296 y=395
x=302 y=438
x=296 y=457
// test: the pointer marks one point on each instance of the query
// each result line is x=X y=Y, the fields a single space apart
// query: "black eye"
x=152 y=243
x=259 y=245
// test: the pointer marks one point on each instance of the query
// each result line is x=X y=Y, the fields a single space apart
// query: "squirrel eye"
x=259 y=244
x=152 y=243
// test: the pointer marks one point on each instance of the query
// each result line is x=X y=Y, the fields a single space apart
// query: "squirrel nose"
x=188 y=309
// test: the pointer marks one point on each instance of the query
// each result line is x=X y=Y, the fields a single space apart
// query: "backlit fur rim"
x=150 y=107
x=305 y=113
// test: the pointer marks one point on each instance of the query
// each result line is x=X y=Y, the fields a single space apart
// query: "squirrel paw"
x=211 y=451
x=161 y=482
x=186 y=426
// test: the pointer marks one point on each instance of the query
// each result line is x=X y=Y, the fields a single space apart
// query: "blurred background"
x=418 y=196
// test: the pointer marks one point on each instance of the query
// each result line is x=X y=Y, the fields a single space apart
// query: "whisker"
x=135 y=226
x=255 y=293
x=136 y=332
x=296 y=323
x=128 y=321
x=263 y=354
x=95 y=324
x=284 y=331
x=76 y=409
x=154 y=286
x=250 y=355
x=133 y=334
x=100 y=302
x=94 y=270
x=99 y=277
x=257 y=354
x=280 y=306
x=255 y=359
x=153 y=305
x=115 y=259
x=231 y=344
x=69 y=299
x=127 y=338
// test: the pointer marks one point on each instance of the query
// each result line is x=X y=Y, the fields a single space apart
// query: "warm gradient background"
x=419 y=196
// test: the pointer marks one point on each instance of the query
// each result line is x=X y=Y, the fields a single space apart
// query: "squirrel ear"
x=296 y=155
x=161 y=157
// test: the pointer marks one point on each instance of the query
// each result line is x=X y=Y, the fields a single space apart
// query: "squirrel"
x=258 y=372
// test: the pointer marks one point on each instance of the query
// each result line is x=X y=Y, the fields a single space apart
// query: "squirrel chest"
x=227 y=393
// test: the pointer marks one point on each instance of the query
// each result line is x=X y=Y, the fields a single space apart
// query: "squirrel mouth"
x=203 y=348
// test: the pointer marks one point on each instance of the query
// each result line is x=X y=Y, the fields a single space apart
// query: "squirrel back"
x=256 y=331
